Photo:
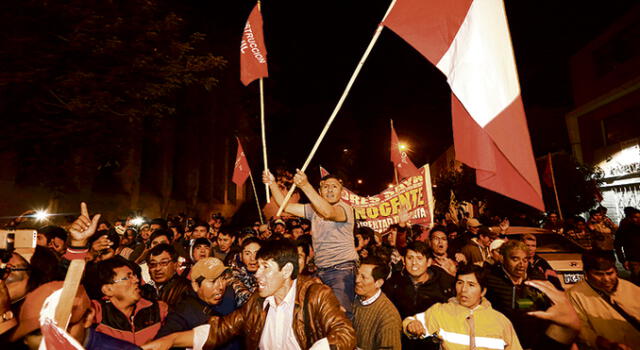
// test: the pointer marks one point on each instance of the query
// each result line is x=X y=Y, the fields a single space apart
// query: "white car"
x=562 y=253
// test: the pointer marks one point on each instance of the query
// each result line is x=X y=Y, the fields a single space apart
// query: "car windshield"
x=551 y=242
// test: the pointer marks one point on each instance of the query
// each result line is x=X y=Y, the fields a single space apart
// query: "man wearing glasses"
x=163 y=264
x=122 y=313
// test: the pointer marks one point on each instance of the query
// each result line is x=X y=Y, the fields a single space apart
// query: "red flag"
x=241 y=169
x=468 y=40
x=323 y=172
x=547 y=176
x=253 y=52
x=400 y=160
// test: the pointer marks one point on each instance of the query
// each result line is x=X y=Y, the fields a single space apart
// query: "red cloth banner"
x=381 y=211
x=253 y=52
x=241 y=168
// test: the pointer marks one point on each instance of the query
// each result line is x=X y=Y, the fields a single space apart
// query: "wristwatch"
x=7 y=316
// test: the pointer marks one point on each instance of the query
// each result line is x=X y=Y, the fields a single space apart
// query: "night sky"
x=313 y=47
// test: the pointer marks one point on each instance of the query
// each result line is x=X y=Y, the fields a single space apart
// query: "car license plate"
x=570 y=278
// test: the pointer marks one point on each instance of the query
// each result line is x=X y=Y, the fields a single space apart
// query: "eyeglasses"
x=163 y=263
x=128 y=277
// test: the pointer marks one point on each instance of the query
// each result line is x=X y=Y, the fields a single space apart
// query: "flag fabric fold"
x=400 y=159
x=468 y=40
x=241 y=168
x=253 y=52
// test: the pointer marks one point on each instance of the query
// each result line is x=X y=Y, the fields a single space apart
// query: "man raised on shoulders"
x=332 y=223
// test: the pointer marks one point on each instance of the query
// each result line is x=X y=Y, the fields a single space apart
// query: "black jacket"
x=192 y=312
x=411 y=299
x=514 y=301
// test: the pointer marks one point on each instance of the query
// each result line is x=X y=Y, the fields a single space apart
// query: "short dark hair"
x=250 y=240
x=202 y=241
x=380 y=270
x=227 y=232
x=201 y=223
x=159 y=221
x=438 y=228
x=282 y=251
x=305 y=244
x=419 y=247
x=161 y=248
x=161 y=232
x=479 y=272
x=52 y=232
x=598 y=260
x=105 y=270
x=331 y=176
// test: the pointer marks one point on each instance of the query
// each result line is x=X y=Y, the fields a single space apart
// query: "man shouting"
x=332 y=223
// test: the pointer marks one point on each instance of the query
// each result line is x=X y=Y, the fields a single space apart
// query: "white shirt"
x=372 y=299
x=278 y=326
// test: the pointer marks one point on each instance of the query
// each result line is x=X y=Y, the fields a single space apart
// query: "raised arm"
x=296 y=209
x=320 y=205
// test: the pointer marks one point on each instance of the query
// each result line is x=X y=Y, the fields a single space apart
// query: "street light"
x=41 y=215
x=137 y=221
x=359 y=181
x=402 y=146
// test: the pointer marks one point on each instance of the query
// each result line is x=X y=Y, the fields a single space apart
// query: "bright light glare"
x=359 y=181
x=41 y=215
x=402 y=146
x=137 y=221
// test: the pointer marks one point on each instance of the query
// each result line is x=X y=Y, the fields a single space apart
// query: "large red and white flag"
x=400 y=159
x=241 y=168
x=253 y=52
x=468 y=40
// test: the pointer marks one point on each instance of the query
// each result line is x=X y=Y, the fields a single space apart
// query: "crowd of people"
x=312 y=279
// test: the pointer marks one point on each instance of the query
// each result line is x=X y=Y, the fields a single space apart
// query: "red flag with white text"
x=468 y=40
x=400 y=159
x=253 y=52
x=241 y=168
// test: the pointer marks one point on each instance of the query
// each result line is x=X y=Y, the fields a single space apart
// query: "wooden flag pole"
x=373 y=41
x=262 y=127
x=69 y=291
x=555 y=190
x=255 y=193
x=264 y=138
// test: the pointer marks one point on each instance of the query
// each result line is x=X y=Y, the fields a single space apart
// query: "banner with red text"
x=381 y=211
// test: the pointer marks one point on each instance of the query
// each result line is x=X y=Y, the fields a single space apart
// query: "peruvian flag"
x=399 y=157
x=241 y=168
x=468 y=40
x=253 y=52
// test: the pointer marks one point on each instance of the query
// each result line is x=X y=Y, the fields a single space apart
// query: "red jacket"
x=145 y=322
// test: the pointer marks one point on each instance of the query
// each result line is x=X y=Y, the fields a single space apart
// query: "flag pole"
x=262 y=126
x=264 y=137
x=555 y=190
x=395 y=170
x=255 y=193
x=373 y=41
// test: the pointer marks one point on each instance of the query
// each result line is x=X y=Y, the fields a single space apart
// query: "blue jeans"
x=341 y=279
